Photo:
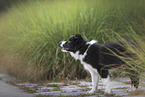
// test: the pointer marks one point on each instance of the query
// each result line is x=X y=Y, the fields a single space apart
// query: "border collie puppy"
x=97 y=59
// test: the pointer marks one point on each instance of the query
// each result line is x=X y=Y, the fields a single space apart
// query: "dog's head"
x=75 y=43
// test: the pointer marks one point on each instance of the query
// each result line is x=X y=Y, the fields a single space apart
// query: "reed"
x=30 y=33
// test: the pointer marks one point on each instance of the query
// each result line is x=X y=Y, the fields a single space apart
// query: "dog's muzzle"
x=63 y=48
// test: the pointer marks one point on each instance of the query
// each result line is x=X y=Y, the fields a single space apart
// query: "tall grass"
x=136 y=62
x=30 y=33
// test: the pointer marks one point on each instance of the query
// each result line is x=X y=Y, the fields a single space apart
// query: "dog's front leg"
x=95 y=80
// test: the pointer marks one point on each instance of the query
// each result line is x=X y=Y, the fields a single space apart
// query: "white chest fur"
x=87 y=66
x=80 y=57
x=93 y=71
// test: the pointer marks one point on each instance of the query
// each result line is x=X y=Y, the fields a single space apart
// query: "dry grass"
x=24 y=72
x=30 y=33
x=138 y=92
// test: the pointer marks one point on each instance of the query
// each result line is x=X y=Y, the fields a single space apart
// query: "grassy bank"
x=30 y=33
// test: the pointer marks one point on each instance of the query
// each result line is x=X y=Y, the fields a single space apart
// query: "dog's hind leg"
x=106 y=81
x=134 y=82
x=107 y=84
x=134 y=76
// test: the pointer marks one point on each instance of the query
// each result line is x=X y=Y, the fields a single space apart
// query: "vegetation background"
x=30 y=32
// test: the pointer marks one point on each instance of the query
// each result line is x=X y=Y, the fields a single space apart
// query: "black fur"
x=101 y=56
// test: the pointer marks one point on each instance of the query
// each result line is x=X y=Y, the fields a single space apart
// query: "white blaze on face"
x=62 y=43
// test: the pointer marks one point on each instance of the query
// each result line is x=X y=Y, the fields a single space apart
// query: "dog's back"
x=110 y=53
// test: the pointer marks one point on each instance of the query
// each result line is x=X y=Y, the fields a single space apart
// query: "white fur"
x=93 y=71
x=62 y=43
x=75 y=55
x=107 y=84
x=94 y=76
x=92 y=42
x=80 y=57
x=132 y=88
x=88 y=67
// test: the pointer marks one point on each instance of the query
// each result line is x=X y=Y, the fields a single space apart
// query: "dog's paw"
x=109 y=91
x=90 y=92
x=131 y=89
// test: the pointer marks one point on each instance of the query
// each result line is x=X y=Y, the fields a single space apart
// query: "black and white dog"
x=97 y=59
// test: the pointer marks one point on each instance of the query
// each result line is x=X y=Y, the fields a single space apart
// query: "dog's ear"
x=78 y=35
